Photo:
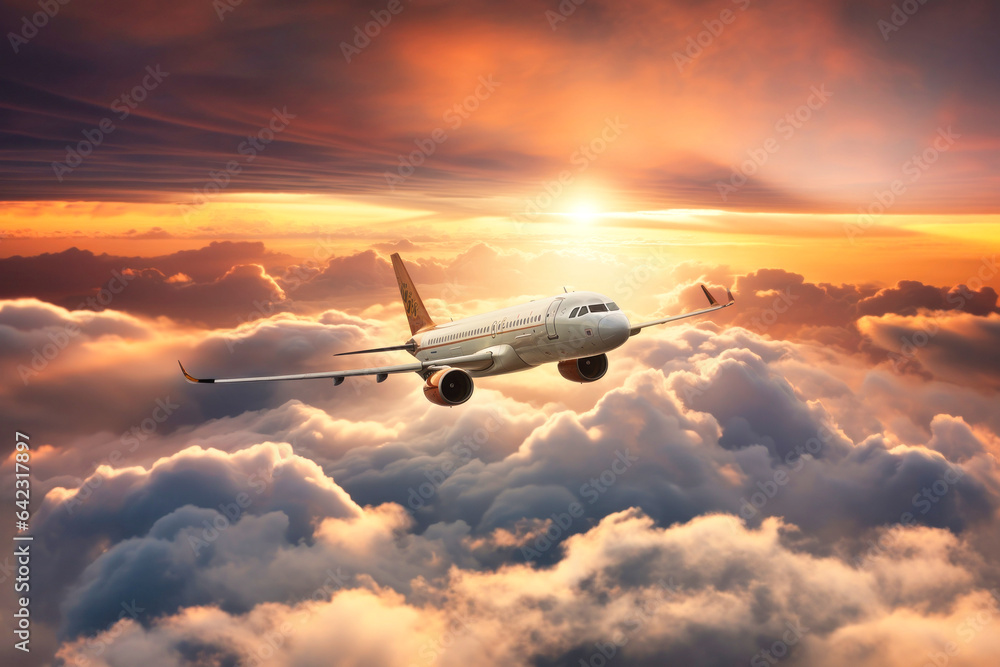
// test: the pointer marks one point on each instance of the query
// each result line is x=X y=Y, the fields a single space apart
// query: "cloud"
x=956 y=347
x=626 y=588
x=225 y=284
x=761 y=471
x=57 y=277
x=193 y=496
x=244 y=292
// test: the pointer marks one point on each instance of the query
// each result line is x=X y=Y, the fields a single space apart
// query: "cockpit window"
x=583 y=311
x=612 y=306
x=598 y=308
x=573 y=314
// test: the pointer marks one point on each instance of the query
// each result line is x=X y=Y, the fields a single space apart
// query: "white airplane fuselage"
x=529 y=334
x=574 y=330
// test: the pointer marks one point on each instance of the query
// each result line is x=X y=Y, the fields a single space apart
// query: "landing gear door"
x=550 y=318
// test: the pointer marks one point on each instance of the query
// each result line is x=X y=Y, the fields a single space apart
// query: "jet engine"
x=449 y=386
x=587 y=369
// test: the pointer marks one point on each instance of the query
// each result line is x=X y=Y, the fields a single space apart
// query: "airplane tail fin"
x=416 y=314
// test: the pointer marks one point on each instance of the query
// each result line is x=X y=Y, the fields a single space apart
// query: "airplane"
x=575 y=330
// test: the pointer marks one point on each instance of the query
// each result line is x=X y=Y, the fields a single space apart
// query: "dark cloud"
x=908 y=297
x=76 y=274
x=245 y=293
x=957 y=347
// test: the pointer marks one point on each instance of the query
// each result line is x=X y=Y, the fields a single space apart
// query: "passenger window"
x=613 y=306
x=598 y=308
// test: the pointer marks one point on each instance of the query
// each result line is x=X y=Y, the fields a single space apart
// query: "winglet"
x=191 y=378
x=729 y=295
x=711 y=299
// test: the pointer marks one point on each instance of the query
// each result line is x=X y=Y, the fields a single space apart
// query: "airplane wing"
x=479 y=360
x=714 y=305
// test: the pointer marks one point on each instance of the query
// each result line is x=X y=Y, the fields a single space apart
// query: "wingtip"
x=188 y=376
x=729 y=295
x=708 y=295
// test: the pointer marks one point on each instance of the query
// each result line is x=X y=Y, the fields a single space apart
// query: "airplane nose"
x=613 y=329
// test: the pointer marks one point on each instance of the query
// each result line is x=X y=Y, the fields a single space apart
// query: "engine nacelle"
x=587 y=369
x=449 y=386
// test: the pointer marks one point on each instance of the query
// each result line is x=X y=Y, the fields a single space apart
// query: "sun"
x=585 y=213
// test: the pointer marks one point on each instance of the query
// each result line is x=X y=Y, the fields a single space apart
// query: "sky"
x=807 y=478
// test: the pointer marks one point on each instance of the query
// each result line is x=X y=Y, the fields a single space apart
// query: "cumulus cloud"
x=720 y=483
x=627 y=588
x=957 y=347
x=217 y=285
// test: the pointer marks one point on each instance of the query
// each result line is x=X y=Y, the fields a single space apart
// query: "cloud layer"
x=734 y=486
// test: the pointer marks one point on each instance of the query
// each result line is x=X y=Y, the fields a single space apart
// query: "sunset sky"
x=222 y=182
